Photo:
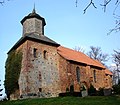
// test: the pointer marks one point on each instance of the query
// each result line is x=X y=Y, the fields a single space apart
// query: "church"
x=49 y=69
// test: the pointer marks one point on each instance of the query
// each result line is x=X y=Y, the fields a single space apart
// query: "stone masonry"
x=49 y=69
x=39 y=75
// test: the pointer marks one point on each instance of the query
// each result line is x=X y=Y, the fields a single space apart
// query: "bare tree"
x=116 y=60
x=96 y=53
x=115 y=77
x=79 y=49
x=0 y=90
x=113 y=69
x=116 y=57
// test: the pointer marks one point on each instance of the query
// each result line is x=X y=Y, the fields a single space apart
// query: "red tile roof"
x=108 y=72
x=73 y=55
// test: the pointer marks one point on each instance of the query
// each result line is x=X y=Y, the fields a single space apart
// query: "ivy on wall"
x=12 y=71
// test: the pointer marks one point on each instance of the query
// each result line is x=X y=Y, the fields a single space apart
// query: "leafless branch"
x=91 y=3
x=106 y=2
x=116 y=28
x=1 y=2
x=117 y=2
x=114 y=12
x=116 y=57
x=117 y=17
x=76 y=2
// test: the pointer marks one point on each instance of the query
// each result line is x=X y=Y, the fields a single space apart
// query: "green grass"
x=93 y=100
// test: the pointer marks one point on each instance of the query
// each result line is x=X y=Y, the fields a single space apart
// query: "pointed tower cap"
x=33 y=15
x=34 y=11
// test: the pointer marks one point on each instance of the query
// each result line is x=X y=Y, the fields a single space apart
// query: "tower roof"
x=36 y=38
x=33 y=15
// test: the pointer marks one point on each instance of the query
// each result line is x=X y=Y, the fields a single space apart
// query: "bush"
x=75 y=94
x=116 y=89
x=67 y=89
x=92 y=91
x=83 y=88
x=71 y=89
x=12 y=72
x=100 y=92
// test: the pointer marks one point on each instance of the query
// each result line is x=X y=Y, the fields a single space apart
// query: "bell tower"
x=33 y=23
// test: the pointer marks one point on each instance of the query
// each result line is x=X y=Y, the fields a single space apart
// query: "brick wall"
x=108 y=81
x=68 y=75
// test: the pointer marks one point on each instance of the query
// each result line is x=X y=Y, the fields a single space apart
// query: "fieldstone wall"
x=39 y=75
x=23 y=79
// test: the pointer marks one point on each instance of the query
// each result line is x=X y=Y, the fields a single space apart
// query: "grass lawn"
x=93 y=100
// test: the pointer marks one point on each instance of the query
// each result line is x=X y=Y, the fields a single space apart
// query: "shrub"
x=116 y=89
x=75 y=94
x=100 y=92
x=91 y=90
x=12 y=72
x=83 y=88
x=67 y=89
x=71 y=89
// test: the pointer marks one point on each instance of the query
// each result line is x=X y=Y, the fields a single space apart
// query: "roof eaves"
x=17 y=44
x=87 y=60
x=98 y=63
x=108 y=72
x=42 y=39
x=27 y=37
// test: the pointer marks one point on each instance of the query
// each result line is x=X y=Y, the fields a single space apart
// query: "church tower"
x=39 y=75
x=33 y=23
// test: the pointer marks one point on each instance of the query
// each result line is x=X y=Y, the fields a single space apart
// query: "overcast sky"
x=65 y=23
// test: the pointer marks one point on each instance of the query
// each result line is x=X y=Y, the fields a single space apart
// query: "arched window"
x=35 y=52
x=94 y=74
x=45 y=54
x=78 y=74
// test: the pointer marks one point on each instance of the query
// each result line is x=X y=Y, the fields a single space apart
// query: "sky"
x=65 y=23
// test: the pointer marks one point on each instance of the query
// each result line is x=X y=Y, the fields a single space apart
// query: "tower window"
x=78 y=74
x=35 y=52
x=45 y=54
